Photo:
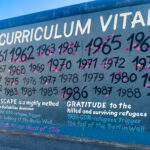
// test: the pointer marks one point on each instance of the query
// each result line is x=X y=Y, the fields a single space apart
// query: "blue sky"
x=13 y=8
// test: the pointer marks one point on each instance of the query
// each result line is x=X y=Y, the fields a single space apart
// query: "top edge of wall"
x=83 y=8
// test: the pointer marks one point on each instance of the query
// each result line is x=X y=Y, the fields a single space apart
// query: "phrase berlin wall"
x=85 y=76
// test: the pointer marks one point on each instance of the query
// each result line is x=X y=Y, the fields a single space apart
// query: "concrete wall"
x=11 y=140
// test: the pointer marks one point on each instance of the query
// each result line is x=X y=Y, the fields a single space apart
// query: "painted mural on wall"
x=85 y=76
